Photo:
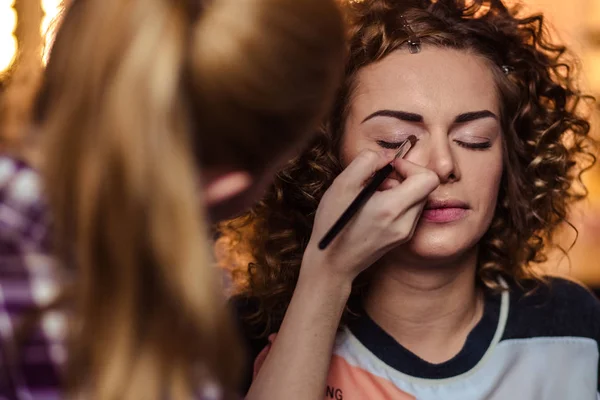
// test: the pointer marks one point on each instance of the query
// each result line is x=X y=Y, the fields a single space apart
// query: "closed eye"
x=390 y=145
x=474 y=146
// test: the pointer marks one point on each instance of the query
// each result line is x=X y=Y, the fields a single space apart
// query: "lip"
x=444 y=210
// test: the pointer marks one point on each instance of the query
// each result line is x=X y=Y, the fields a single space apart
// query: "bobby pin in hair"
x=507 y=69
x=414 y=43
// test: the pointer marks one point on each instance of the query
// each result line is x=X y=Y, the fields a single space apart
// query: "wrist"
x=322 y=266
x=320 y=279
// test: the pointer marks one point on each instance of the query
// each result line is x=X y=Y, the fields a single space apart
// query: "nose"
x=435 y=153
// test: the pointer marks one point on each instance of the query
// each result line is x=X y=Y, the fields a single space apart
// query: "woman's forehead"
x=434 y=80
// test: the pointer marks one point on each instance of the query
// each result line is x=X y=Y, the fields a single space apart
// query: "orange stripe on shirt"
x=347 y=382
x=357 y=383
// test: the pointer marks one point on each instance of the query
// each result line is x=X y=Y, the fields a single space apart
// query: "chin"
x=436 y=251
x=439 y=246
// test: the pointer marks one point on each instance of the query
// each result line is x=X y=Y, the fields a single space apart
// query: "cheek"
x=486 y=183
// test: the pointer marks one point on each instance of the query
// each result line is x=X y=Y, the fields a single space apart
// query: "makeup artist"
x=430 y=291
x=155 y=115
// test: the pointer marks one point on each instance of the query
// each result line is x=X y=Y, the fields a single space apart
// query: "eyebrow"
x=401 y=115
x=475 y=115
x=413 y=117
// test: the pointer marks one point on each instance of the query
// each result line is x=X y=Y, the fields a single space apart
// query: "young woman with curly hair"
x=430 y=292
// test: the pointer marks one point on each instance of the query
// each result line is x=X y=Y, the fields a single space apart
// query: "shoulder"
x=558 y=307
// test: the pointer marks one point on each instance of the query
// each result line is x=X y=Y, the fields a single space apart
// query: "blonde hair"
x=136 y=92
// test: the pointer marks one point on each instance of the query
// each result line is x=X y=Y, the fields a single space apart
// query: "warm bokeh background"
x=575 y=22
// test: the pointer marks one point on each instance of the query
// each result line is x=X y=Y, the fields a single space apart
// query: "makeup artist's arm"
x=297 y=364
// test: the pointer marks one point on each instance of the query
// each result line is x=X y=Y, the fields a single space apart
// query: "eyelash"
x=471 y=146
x=474 y=146
x=389 y=145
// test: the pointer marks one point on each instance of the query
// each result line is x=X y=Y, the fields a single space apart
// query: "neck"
x=429 y=310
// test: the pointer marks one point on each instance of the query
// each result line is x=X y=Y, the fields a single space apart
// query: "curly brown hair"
x=546 y=147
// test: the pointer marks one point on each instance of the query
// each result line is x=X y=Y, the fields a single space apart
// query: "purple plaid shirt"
x=28 y=280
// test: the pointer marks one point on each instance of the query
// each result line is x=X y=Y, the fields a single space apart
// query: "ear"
x=220 y=187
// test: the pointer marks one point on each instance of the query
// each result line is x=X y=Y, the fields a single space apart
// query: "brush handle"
x=358 y=202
